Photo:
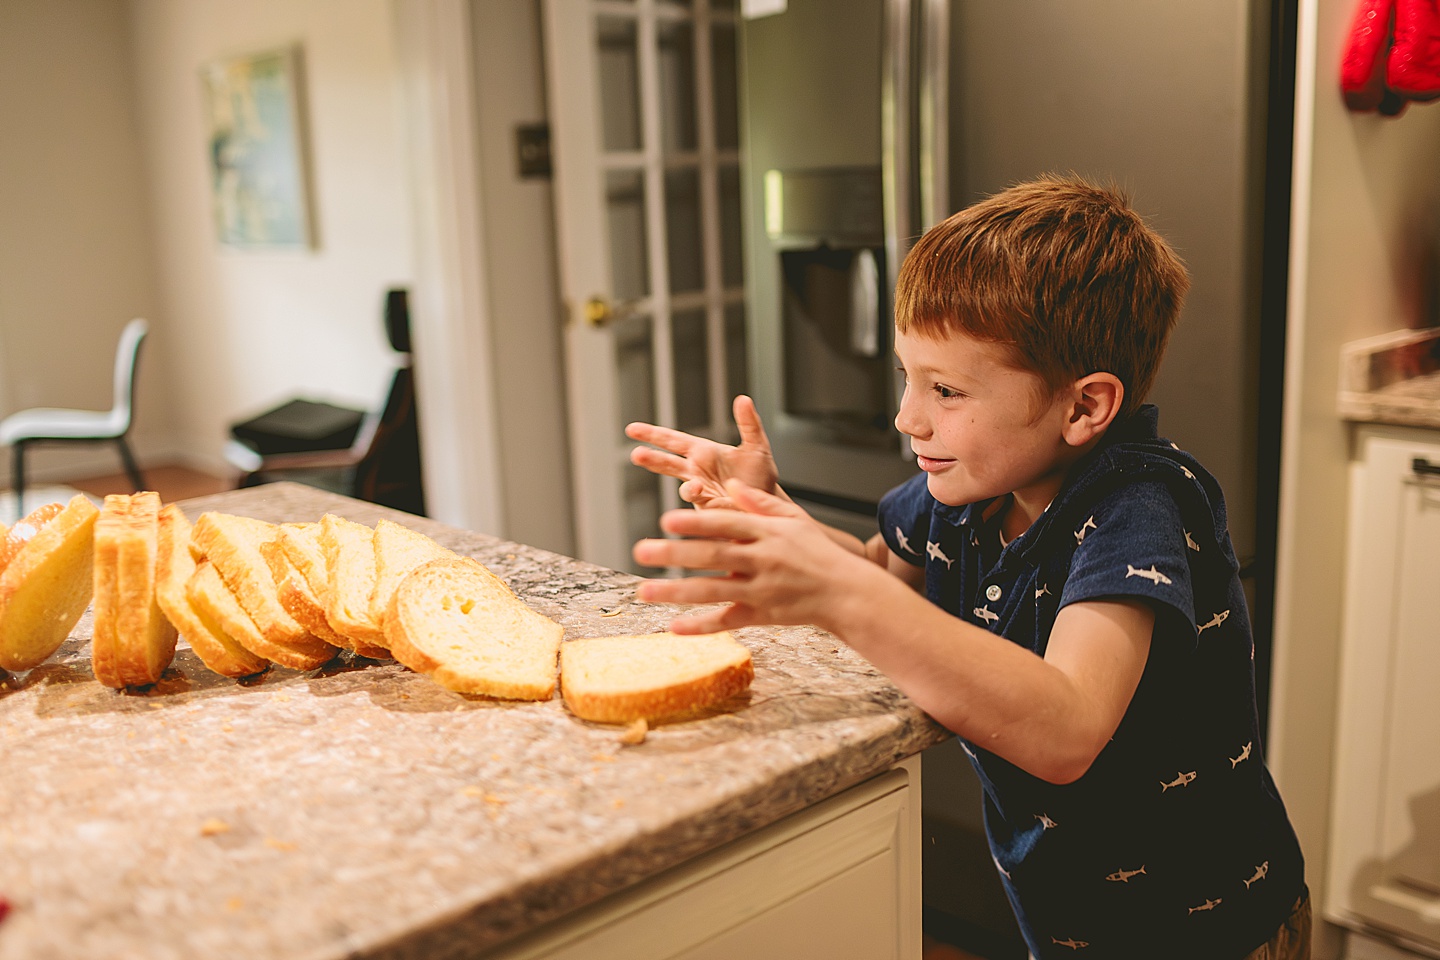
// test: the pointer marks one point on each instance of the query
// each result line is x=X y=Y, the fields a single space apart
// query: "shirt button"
x=992 y=592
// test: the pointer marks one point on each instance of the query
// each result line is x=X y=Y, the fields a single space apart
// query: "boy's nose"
x=907 y=420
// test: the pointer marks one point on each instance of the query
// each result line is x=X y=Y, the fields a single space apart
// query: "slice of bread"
x=350 y=564
x=398 y=550
x=232 y=545
x=133 y=642
x=300 y=542
x=210 y=596
x=17 y=536
x=174 y=566
x=458 y=622
x=46 y=585
x=651 y=677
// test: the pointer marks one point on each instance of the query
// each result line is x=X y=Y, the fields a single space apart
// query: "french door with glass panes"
x=644 y=131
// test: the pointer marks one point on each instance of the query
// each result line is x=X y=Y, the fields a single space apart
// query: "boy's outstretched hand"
x=705 y=465
x=782 y=566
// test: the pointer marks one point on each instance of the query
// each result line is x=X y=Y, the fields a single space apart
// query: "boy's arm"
x=879 y=552
x=1050 y=717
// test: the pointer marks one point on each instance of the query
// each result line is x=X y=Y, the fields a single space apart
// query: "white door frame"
x=450 y=313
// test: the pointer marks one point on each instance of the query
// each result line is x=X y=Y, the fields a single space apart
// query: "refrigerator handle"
x=895 y=116
x=932 y=91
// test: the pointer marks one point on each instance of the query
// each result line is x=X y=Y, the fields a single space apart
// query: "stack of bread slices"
x=246 y=593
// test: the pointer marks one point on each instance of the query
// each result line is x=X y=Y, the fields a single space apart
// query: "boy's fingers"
x=656 y=461
x=758 y=501
x=675 y=441
x=729 y=617
x=689 y=590
x=690 y=554
x=698 y=492
x=747 y=419
x=711 y=524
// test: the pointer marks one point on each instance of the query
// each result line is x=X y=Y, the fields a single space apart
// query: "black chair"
x=63 y=425
x=372 y=456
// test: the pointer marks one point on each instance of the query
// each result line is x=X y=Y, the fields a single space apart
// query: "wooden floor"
x=172 y=483
x=936 y=950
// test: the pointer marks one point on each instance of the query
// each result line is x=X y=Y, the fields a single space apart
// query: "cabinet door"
x=1410 y=816
x=1385 y=835
x=839 y=881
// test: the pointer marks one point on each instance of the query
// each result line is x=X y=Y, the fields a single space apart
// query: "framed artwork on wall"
x=259 y=178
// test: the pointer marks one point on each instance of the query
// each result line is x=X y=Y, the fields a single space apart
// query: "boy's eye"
x=946 y=393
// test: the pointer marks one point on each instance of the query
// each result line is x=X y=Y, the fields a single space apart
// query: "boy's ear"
x=1096 y=404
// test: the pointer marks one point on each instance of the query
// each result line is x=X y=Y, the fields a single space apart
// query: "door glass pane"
x=635 y=369
x=726 y=86
x=682 y=229
x=642 y=511
x=619 y=58
x=625 y=211
x=737 y=371
x=677 y=85
x=692 y=370
x=732 y=251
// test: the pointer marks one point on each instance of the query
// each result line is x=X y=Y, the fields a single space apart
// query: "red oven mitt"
x=1413 y=67
x=1362 y=68
x=1392 y=55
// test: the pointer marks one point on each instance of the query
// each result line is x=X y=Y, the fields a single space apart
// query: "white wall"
x=1362 y=182
x=242 y=330
x=75 y=255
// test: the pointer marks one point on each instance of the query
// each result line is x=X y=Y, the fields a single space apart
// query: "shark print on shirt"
x=1087 y=525
x=1045 y=821
x=1207 y=905
x=1183 y=780
x=933 y=551
x=1124 y=876
x=1072 y=943
x=1153 y=575
x=1189 y=541
x=1244 y=755
x=1260 y=872
x=986 y=614
x=1214 y=621
x=904 y=542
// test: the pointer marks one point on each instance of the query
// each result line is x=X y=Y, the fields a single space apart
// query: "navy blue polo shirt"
x=1175 y=842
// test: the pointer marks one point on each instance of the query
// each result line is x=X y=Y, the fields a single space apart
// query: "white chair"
x=56 y=425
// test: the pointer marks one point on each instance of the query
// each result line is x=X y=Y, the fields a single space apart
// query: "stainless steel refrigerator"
x=866 y=121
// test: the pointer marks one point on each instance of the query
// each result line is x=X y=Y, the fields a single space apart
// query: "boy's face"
x=980 y=427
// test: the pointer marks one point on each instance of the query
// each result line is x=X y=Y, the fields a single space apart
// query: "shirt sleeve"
x=904 y=517
x=1133 y=545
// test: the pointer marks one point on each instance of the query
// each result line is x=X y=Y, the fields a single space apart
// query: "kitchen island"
x=361 y=810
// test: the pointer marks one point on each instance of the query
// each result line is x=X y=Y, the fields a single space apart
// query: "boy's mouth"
x=932 y=464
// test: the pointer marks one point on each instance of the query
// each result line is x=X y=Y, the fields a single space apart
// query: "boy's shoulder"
x=1137 y=471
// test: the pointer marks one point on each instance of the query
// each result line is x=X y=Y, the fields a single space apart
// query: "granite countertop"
x=361 y=810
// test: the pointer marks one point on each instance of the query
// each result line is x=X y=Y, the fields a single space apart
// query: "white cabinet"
x=838 y=881
x=1385 y=832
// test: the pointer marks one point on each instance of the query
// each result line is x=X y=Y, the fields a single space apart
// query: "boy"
x=1082 y=628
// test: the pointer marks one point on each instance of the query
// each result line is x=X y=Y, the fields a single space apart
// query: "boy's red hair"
x=1061 y=271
